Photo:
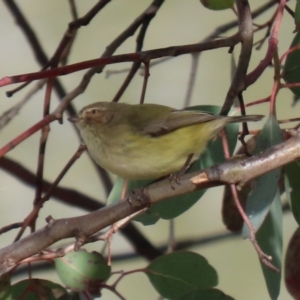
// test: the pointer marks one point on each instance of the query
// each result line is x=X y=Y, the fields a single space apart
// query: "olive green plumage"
x=149 y=140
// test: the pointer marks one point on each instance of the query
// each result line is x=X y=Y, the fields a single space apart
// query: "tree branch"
x=230 y=172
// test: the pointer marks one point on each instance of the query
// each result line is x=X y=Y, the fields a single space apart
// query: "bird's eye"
x=94 y=111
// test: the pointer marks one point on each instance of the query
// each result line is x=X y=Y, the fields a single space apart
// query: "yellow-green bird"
x=147 y=141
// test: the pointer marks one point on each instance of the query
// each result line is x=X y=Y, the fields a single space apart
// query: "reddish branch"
x=36 y=127
x=143 y=57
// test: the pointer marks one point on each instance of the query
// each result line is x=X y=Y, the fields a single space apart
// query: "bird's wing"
x=174 y=120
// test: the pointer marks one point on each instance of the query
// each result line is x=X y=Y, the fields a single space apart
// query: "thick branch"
x=230 y=172
x=76 y=199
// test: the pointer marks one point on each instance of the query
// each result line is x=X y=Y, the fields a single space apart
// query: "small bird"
x=147 y=141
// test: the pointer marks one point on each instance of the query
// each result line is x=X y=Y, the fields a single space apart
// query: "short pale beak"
x=73 y=119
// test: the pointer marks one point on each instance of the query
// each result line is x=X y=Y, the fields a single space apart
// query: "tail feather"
x=252 y=118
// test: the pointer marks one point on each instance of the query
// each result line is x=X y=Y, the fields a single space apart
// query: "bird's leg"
x=175 y=177
x=124 y=188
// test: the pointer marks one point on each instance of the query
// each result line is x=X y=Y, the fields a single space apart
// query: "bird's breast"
x=140 y=156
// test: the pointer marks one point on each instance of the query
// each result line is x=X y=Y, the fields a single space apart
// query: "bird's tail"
x=251 y=118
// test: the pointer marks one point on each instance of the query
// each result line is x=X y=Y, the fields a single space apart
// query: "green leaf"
x=149 y=217
x=5 y=287
x=297 y=15
x=175 y=274
x=116 y=192
x=36 y=289
x=269 y=237
x=291 y=70
x=208 y=294
x=82 y=270
x=292 y=187
x=217 y=4
x=265 y=187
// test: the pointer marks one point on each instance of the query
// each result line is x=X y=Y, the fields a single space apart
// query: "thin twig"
x=266 y=259
x=246 y=35
x=33 y=214
x=8 y=115
x=10 y=227
x=192 y=79
x=146 y=76
x=136 y=65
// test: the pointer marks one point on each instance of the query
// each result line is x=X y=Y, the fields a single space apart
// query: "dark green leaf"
x=291 y=70
x=264 y=187
x=175 y=274
x=292 y=187
x=207 y=294
x=5 y=287
x=269 y=237
x=217 y=4
x=297 y=15
x=36 y=289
